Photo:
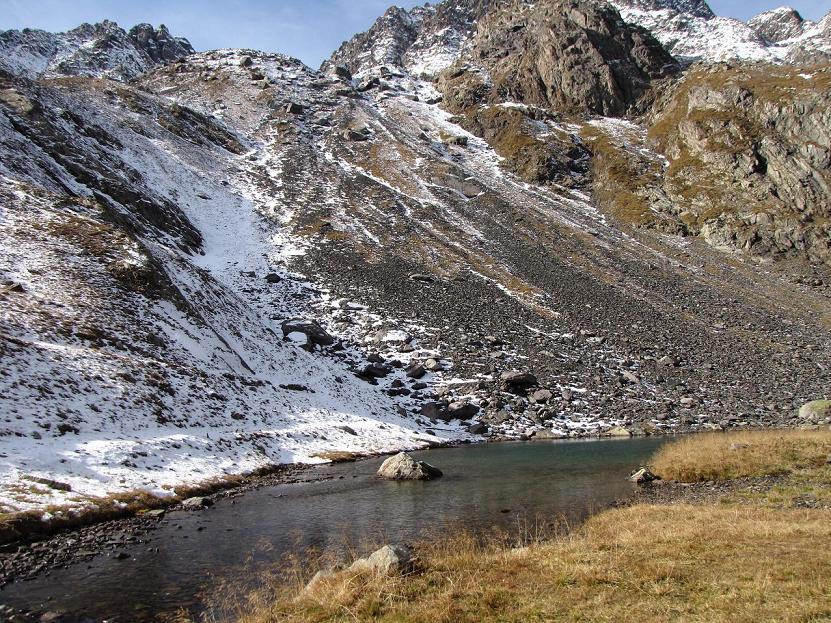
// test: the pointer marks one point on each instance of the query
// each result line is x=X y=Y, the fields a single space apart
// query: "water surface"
x=485 y=486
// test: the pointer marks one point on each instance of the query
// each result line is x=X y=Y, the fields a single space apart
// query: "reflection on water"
x=490 y=486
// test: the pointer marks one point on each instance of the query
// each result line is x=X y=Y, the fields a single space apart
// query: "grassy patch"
x=622 y=178
x=702 y=458
x=644 y=563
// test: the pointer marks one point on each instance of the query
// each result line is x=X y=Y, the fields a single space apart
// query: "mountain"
x=690 y=30
x=97 y=50
x=516 y=219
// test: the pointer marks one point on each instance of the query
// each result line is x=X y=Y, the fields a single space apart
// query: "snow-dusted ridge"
x=696 y=33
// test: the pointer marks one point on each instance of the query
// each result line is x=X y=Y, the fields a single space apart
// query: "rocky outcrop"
x=158 y=44
x=384 y=44
x=404 y=467
x=533 y=145
x=312 y=333
x=422 y=41
x=570 y=56
x=642 y=475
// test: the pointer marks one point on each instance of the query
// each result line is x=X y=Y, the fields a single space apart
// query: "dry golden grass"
x=644 y=563
x=717 y=456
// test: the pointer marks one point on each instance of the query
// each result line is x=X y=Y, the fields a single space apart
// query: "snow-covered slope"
x=697 y=34
x=143 y=293
x=102 y=49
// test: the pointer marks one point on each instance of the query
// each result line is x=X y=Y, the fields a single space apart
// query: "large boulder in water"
x=404 y=467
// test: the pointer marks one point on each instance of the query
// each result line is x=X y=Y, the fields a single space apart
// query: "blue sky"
x=307 y=29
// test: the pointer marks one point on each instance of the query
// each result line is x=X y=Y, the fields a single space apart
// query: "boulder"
x=374 y=371
x=630 y=377
x=435 y=411
x=320 y=578
x=642 y=475
x=273 y=278
x=421 y=278
x=541 y=395
x=461 y=410
x=815 y=411
x=356 y=134
x=517 y=382
x=294 y=108
x=433 y=365
x=343 y=73
x=415 y=371
x=404 y=467
x=369 y=83
x=454 y=139
x=387 y=560
x=617 y=431
x=479 y=428
x=316 y=334
x=394 y=337
x=548 y=433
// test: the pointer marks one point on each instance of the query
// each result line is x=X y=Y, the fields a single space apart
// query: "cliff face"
x=750 y=157
x=779 y=24
x=567 y=56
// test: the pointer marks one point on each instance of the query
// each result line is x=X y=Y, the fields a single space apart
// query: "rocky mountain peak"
x=159 y=44
x=425 y=39
x=779 y=24
x=103 y=49
x=695 y=8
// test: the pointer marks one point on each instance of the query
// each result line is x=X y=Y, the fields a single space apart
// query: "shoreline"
x=25 y=527
x=55 y=545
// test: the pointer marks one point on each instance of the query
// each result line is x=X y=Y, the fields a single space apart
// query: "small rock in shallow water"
x=642 y=475
x=197 y=502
